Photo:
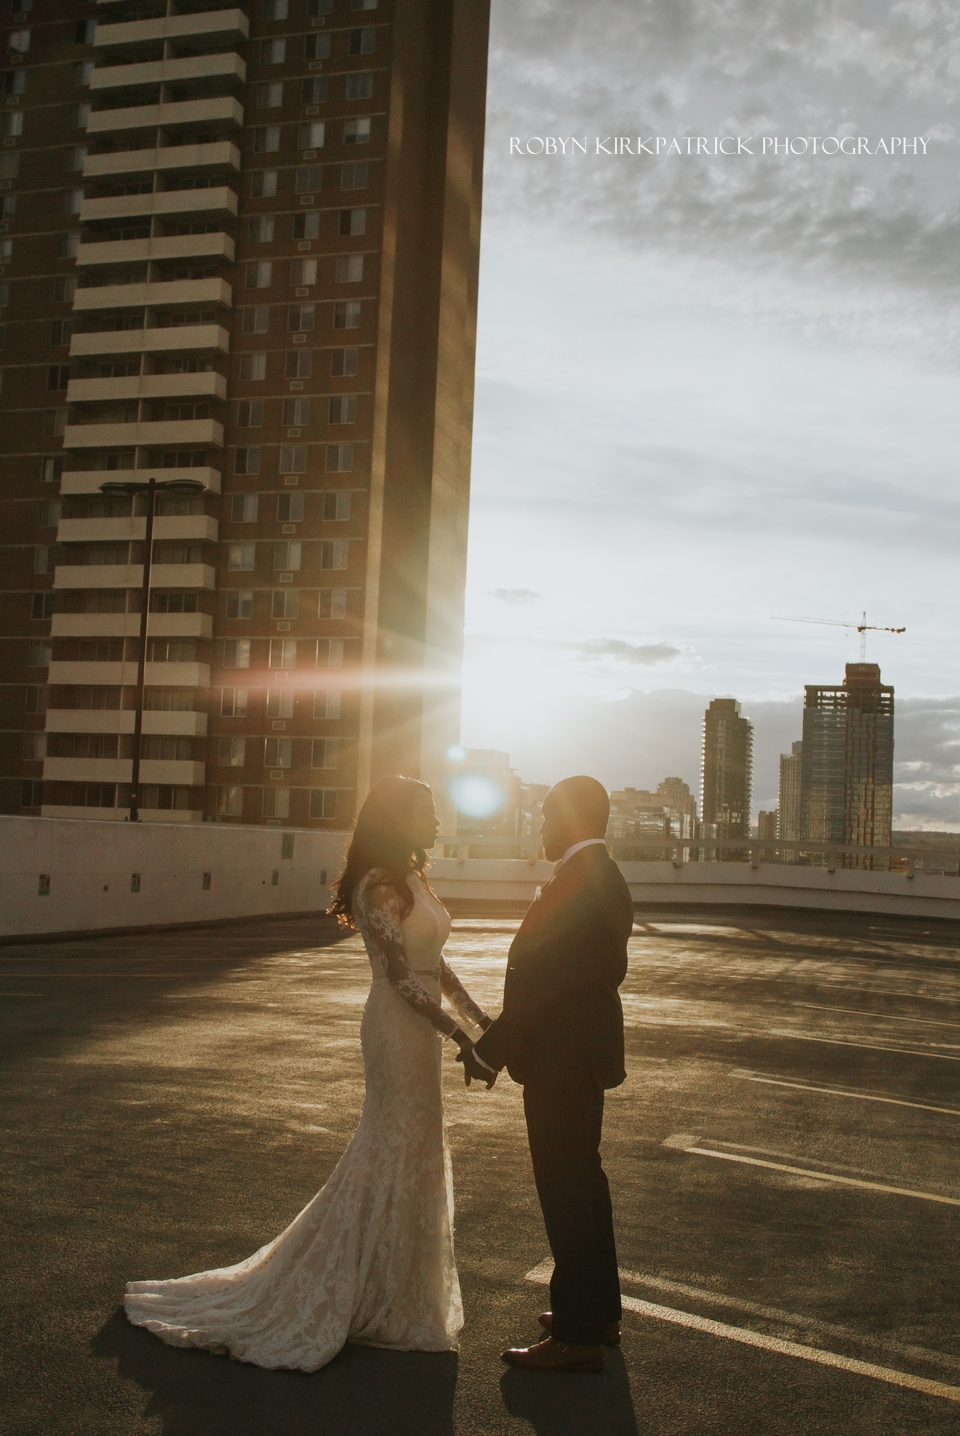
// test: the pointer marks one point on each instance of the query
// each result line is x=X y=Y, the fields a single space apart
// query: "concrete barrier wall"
x=63 y=875
x=90 y=869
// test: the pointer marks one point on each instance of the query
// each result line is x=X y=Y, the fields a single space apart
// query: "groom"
x=560 y=1035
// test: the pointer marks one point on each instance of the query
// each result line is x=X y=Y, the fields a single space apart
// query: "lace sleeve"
x=378 y=914
x=459 y=998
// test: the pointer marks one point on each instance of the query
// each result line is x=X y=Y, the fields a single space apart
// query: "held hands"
x=472 y=1069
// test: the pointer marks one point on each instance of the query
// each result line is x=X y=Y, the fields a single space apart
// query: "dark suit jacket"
x=562 y=1022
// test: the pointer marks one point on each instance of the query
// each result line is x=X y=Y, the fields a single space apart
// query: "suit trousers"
x=564 y=1128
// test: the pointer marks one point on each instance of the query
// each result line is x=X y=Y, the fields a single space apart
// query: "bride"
x=370 y=1258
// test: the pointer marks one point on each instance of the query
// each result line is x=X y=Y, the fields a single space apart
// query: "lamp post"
x=148 y=487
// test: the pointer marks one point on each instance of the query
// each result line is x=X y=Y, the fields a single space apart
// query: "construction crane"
x=863 y=628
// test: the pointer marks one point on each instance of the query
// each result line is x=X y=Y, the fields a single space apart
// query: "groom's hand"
x=474 y=1070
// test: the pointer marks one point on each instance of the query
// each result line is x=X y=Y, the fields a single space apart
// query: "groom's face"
x=553 y=830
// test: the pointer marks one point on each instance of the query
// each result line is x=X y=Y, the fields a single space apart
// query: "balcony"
x=166 y=114
x=220 y=200
x=117 y=720
x=150 y=433
x=159 y=72
x=130 y=575
x=110 y=675
x=181 y=773
x=119 y=815
x=229 y=23
x=155 y=295
x=205 y=384
x=210 y=337
x=167 y=157
x=169 y=246
x=127 y=625
x=88 y=481
x=166 y=526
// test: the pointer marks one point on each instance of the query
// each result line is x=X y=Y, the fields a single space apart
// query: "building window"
x=263 y=184
x=283 y=654
x=277 y=752
x=39 y=653
x=260 y=229
x=48 y=513
x=243 y=508
x=11 y=125
x=355 y=176
x=334 y=553
x=74 y=156
x=310 y=136
x=339 y=458
x=260 y=274
x=356 y=132
x=82 y=71
x=363 y=4
x=54 y=422
x=286 y=556
x=308 y=179
x=72 y=200
x=293 y=460
x=31 y=794
x=363 y=42
x=15 y=81
x=273 y=52
x=42 y=605
x=323 y=802
x=250 y=414
x=246 y=461
x=276 y=9
x=306 y=226
x=300 y=317
x=279 y=703
x=270 y=97
x=78 y=117
x=349 y=268
x=36 y=698
x=289 y=508
x=172 y=650
x=344 y=362
x=256 y=320
x=19 y=41
x=61 y=332
x=353 y=221
x=232 y=753
x=276 y=802
x=230 y=802
x=346 y=314
x=326 y=753
x=43 y=558
x=236 y=653
x=359 y=87
x=296 y=411
x=316 y=47
x=336 y=507
x=266 y=139
x=299 y=364
x=177 y=551
x=313 y=91
x=158 y=700
x=303 y=271
x=58 y=376
x=233 y=702
x=50 y=470
x=286 y=603
x=240 y=603
x=253 y=366
x=343 y=409
x=242 y=557
x=326 y=703
x=319 y=7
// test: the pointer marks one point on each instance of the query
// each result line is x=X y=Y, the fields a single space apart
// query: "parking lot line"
x=880 y=1016
x=846 y=1042
x=540 y=1274
x=810 y=1172
x=840 y=1092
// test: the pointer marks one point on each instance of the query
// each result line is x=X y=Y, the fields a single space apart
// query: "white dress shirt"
x=574 y=848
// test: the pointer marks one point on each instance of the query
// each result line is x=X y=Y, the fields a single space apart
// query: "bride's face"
x=424 y=823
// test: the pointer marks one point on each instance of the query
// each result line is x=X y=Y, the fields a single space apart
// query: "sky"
x=715 y=389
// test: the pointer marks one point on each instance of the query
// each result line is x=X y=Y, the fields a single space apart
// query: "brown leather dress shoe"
x=611 y=1332
x=553 y=1355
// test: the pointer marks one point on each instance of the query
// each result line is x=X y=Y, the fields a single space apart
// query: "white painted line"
x=879 y=1016
x=839 y=1092
x=886 y=992
x=845 y=1042
x=776 y=1344
x=810 y=1172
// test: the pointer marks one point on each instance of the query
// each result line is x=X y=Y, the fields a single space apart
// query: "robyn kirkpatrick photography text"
x=770 y=145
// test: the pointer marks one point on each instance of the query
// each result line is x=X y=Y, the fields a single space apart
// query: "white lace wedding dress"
x=370 y=1258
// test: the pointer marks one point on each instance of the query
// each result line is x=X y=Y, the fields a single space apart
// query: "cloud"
x=516 y=595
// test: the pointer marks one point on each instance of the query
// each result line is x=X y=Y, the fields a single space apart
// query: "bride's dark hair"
x=382 y=839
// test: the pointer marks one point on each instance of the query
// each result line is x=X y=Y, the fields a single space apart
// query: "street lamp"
x=148 y=487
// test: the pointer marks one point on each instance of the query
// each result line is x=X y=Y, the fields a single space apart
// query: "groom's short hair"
x=583 y=803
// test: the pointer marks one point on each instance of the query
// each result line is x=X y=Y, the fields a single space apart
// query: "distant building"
x=727 y=769
x=486 y=793
x=679 y=797
x=847 y=763
x=788 y=812
x=767 y=825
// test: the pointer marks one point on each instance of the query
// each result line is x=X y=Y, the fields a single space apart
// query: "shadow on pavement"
x=362 y=1393
x=573 y=1405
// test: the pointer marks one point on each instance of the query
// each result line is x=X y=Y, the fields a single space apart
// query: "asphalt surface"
x=171 y=1101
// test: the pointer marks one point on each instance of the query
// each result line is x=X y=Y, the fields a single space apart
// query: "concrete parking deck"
x=783 y=1158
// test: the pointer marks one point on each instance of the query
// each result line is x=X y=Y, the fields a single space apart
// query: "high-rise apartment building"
x=239 y=245
x=847 y=763
x=788 y=809
x=727 y=770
